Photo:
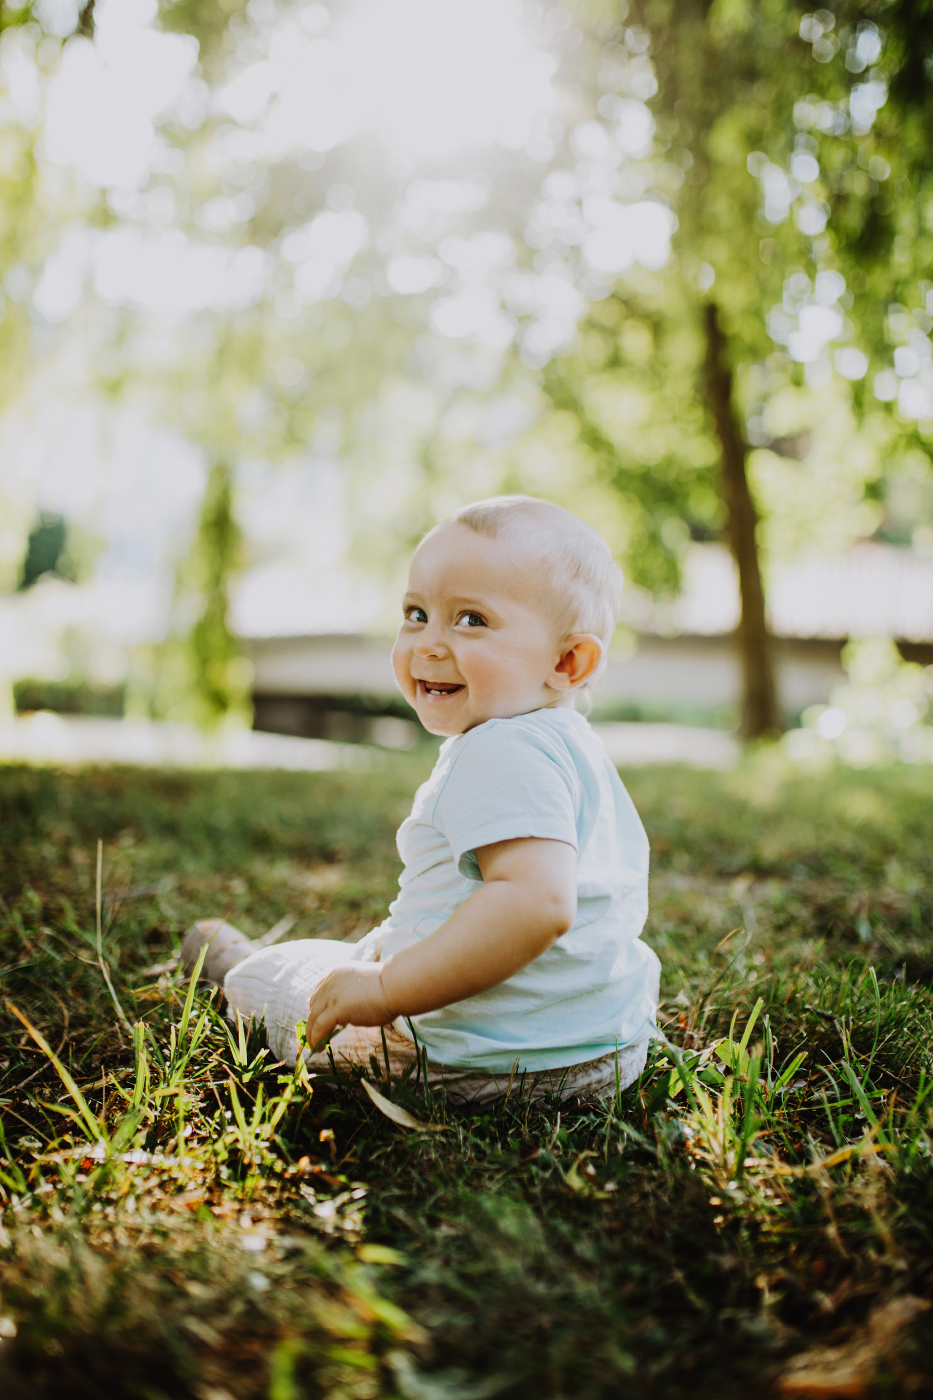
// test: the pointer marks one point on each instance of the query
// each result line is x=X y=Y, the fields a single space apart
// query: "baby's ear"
x=580 y=659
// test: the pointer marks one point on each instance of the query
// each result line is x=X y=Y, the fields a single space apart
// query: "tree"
x=202 y=674
x=733 y=160
x=865 y=120
x=724 y=82
x=26 y=235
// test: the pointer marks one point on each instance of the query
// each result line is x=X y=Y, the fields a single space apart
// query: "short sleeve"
x=507 y=782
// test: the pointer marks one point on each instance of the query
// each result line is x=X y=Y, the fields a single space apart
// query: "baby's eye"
x=413 y=614
x=471 y=619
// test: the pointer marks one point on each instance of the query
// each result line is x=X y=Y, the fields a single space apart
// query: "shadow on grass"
x=188 y=1220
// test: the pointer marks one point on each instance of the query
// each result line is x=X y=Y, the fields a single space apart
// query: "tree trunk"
x=759 y=697
x=86 y=20
x=218 y=682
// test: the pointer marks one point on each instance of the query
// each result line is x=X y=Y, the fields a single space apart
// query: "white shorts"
x=276 y=985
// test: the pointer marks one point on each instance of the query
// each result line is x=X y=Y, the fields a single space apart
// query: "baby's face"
x=476 y=642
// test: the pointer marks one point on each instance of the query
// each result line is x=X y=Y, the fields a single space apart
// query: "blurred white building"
x=673 y=658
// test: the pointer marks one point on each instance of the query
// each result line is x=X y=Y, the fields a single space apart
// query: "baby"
x=513 y=946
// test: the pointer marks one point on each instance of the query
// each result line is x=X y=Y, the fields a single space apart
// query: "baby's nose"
x=430 y=643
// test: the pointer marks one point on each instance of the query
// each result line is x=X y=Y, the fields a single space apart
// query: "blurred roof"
x=686 y=646
x=327 y=664
x=872 y=590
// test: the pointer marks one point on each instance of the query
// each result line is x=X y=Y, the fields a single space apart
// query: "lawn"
x=182 y=1219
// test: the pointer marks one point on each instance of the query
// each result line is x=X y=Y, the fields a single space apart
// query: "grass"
x=180 y=1218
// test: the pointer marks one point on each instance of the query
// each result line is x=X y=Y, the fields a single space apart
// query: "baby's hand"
x=348 y=996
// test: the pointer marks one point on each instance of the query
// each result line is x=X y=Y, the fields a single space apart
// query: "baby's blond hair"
x=574 y=562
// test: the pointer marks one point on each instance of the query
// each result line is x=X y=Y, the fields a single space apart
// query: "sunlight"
x=423 y=77
x=104 y=101
x=426 y=77
x=443 y=75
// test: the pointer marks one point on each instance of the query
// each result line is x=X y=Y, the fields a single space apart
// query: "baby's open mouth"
x=438 y=688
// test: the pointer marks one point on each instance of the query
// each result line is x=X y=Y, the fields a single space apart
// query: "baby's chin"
x=434 y=723
x=435 y=726
x=445 y=728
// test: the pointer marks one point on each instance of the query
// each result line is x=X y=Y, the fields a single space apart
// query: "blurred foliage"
x=31 y=214
x=740 y=94
x=202 y=672
x=738 y=90
x=68 y=698
x=46 y=550
x=24 y=235
x=631 y=390
x=617 y=426
x=207 y=20
x=878 y=718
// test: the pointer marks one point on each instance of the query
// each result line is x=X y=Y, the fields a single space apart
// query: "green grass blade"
x=747 y=1035
x=238 y=1115
x=863 y=1099
x=787 y=1074
x=141 y=1085
x=189 y=999
x=257 y=1112
x=160 y=1059
x=685 y=1072
x=123 y=1133
x=18 y=1181
x=121 y=1015
x=90 y=1122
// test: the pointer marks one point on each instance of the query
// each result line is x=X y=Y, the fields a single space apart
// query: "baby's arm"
x=527 y=900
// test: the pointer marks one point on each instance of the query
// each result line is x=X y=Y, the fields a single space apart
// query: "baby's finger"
x=319 y=995
x=318 y=1006
x=321 y=1030
x=321 y=1045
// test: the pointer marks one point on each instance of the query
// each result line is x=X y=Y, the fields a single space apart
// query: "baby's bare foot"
x=226 y=946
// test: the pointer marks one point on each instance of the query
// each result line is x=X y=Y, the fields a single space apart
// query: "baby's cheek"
x=401 y=665
x=497 y=673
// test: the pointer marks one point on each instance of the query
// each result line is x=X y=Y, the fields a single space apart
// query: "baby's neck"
x=564 y=701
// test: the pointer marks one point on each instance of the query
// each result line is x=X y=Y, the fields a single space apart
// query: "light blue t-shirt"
x=543 y=774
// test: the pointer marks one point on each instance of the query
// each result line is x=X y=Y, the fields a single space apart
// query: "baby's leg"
x=359 y=1045
x=223 y=947
x=277 y=984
